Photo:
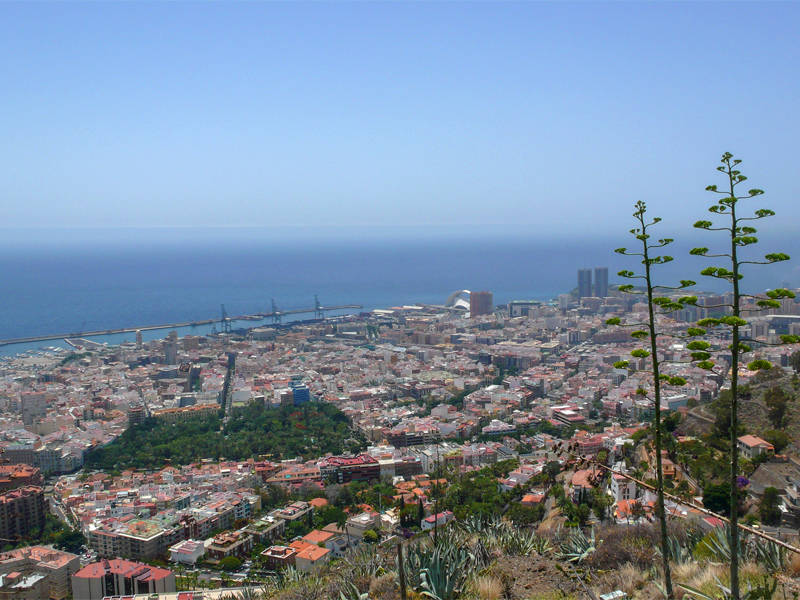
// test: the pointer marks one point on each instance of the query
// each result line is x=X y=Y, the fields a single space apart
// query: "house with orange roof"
x=311 y=558
x=582 y=481
x=318 y=503
x=752 y=446
x=532 y=500
x=332 y=538
x=317 y=537
x=633 y=511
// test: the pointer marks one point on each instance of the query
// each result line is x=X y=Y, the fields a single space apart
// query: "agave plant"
x=765 y=591
x=416 y=557
x=364 y=563
x=444 y=576
x=517 y=542
x=350 y=592
x=540 y=544
x=437 y=569
x=679 y=552
x=475 y=523
x=577 y=547
x=452 y=537
x=718 y=544
x=482 y=555
x=767 y=553
x=250 y=592
x=283 y=578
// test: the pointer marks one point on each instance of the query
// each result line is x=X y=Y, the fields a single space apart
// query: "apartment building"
x=279 y=557
x=57 y=567
x=236 y=543
x=344 y=470
x=20 y=475
x=21 y=510
x=120 y=578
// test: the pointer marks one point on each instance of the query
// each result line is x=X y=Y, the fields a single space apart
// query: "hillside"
x=754 y=412
x=310 y=430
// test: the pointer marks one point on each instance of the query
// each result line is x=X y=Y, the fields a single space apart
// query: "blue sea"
x=55 y=283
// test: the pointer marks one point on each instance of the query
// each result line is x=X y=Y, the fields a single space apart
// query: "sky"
x=545 y=119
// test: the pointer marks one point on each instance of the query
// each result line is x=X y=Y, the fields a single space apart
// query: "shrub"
x=370 y=536
x=230 y=563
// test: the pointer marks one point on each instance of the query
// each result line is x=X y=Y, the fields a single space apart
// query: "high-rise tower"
x=584 y=283
x=481 y=303
x=601 y=282
x=171 y=348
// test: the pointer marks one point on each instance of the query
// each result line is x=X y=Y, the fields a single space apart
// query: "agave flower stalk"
x=665 y=305
x=739 y=235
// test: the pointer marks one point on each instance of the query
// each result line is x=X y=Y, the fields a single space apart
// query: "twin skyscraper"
x=600 y=288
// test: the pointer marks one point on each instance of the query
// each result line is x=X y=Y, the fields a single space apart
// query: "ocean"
x=107 y=282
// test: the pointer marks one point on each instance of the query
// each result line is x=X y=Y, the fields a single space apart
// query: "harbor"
x=115 y=336
x=274 y=316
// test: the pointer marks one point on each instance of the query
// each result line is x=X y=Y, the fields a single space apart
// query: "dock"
x=256 y=317
x=298 y=311
x=69 y=336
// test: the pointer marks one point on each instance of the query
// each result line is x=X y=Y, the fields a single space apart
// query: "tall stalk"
x=665 y=305
x=739 y=236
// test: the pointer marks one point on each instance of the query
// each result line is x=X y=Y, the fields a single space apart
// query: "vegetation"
x=716 y=498
x=230 y=564
x=739 y=236
x=794 y=361
x=72 y=357
x=490 y=559
x=769 y=508
x=664 y=305
x=54 y=532
x=776 y=400
x=309 y=431
x=477 y=493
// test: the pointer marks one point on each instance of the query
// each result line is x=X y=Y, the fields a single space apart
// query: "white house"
x=437 y=520
x=358 y=525
x=311 y=558
x=752 y=446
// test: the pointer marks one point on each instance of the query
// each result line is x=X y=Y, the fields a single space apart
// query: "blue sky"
x=548 y=118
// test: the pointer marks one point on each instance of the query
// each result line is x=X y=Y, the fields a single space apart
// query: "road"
x=58 y=511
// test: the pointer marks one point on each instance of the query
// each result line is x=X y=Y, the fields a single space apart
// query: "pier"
x=275 y=315
x=299 y=311
x=68 y=336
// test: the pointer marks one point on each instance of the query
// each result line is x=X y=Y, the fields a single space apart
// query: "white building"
x=498 y=428
x=187 y=551
x=621 y=488
x=752 y=446
x=439 y=520
x=311 y=558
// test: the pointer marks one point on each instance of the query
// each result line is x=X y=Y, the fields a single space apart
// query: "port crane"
x=319 y=312
x=225 y=322
x=276 y=315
